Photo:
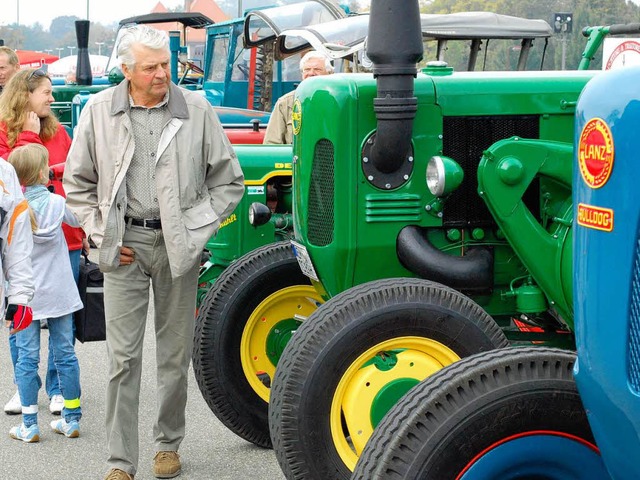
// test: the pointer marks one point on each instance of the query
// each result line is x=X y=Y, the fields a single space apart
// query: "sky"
x=28 y=12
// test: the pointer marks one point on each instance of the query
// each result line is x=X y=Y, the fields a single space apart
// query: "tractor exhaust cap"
x=83 y=65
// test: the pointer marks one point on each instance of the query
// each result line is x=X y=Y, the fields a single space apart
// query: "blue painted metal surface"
x=607 y=267
x=229 y=116
x=557 y=458
x=224 y=83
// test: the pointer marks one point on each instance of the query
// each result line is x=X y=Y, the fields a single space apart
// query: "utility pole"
x=562 y=24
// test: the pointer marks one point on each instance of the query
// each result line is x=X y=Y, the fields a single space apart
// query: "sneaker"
x=166 y=465
x=56 y=404
x=13 y=406
x=27 y=435
x=117 y=474
x=69 y=430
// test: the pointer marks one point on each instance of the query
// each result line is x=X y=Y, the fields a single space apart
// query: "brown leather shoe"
x=117 y=474
x=166 y=465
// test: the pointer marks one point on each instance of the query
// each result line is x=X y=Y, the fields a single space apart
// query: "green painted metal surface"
x=278 y=338
x=267 y=172
x=542 y=243
x=349 y=226
x=388 y=396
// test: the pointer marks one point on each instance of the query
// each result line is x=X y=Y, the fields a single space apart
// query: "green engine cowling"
x=356 y=228
x=267 y=179
x=543 y=239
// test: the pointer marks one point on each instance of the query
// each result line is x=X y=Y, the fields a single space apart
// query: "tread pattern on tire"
x=422 y=411
x=322 y=330
x=231 y=281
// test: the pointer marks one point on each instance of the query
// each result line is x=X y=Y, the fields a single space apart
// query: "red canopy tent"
x=31 y=59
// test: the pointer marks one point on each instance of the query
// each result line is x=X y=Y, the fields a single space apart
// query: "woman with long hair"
x=26 y=117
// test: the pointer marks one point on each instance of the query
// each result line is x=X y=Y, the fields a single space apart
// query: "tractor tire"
x=355 y=357
x=509 y=414
x=242 y=326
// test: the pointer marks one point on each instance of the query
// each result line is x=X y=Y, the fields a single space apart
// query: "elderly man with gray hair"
x=151 y=175
x=9 y=65
x=280 y=127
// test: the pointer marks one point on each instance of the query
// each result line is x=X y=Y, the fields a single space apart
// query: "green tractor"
x=434 y=217
x=259 y=300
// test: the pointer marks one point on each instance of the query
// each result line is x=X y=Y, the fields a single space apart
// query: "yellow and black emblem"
x=296 y=117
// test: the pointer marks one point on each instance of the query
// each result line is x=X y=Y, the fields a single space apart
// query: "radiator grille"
x=320 y=216
x=634 y=324
x=465 y=138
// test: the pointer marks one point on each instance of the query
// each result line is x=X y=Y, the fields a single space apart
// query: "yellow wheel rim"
x=361 y=384
x=291 y=303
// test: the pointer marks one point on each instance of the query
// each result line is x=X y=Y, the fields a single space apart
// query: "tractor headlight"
x=444 y=175
x=259 y=214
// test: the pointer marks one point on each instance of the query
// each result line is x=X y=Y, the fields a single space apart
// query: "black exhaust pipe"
x=394 y=45
x=471 y=272
x=83 y=65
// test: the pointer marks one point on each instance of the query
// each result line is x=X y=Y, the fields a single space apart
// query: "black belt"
x=151 y=223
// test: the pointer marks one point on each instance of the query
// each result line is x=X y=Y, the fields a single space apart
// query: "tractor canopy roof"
x=261 y=26
x=470 y=25
x=188 y=19
x=344 y=36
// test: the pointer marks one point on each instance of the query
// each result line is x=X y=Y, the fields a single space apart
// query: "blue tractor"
x=243 y=68
x=539 y=413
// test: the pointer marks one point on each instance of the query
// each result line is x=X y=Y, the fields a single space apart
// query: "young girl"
x=16 y=244
x=55 y=299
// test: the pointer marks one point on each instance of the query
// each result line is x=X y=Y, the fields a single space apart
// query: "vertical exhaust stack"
x=83 y=65
x=394 y=45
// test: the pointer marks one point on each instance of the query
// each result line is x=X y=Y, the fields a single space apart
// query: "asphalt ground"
x=209 y=451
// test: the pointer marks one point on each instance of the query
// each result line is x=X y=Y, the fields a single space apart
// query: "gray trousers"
x=126 y=295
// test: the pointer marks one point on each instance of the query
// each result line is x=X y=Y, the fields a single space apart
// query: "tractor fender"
x=473 y=271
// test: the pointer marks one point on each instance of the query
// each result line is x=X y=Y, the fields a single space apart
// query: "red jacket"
x=58 y=147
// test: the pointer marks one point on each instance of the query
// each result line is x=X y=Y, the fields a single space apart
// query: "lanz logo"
x=595 y=153
x=597 y=218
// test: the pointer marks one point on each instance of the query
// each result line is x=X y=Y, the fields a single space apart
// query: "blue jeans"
x=51 y=383
x=65 y=360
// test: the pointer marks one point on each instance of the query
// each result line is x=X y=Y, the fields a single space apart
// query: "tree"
x=36 y=38
x=103 y=34
x=13 y=36
x=62 y=26
x=585 y=13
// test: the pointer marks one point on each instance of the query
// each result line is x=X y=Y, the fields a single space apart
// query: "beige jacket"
x=198 y=178
x=280 y=126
